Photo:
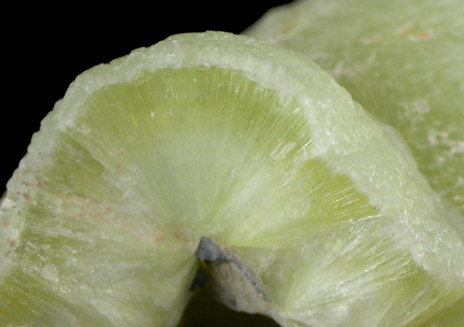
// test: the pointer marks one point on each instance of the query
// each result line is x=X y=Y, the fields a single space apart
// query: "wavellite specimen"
x=224 y=153
x=403 y=61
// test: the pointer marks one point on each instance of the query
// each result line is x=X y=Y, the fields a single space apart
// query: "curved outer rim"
x=343 y=140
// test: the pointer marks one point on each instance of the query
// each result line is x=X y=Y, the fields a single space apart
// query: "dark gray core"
x=210 y=252
x=218 y=259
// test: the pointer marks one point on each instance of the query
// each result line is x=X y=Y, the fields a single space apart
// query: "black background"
x=44 y=49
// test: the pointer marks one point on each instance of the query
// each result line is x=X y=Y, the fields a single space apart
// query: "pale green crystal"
x=255 y=147
x=404 y=62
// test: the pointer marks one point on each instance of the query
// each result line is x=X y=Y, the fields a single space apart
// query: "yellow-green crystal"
x=404 y=62
x=200 y=136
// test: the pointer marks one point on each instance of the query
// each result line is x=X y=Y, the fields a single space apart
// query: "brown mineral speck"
x=424 y=36
x=405 y=32
x=11 y=243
